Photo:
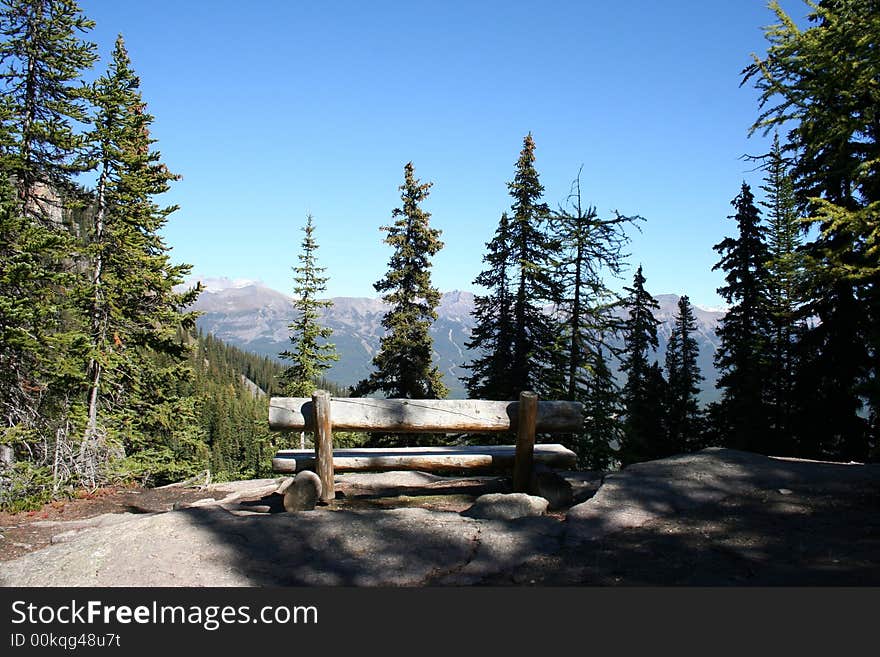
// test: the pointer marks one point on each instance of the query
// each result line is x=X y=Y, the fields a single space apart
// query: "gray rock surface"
x=674 y=486
x=506 y=506
x=229 y=544
x=584 y=484
x=210 y=547
x=303 y=494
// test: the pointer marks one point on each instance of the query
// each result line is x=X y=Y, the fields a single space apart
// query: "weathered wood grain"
x=525 y=441
x=324 y=443
x=423 y=415
x=485 y=458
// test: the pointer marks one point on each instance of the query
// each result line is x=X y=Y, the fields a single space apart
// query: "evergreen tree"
x=136 y=314
x=492 y=334
x=643 y=393
x=742 y=357
x=590 y=248
x=44 y=342
x=597 y=446
x=820 y=84
x=683 y=376
x=403 y=366
x=311 y=354
x=785 y=280
x=44 y=57
x=535 y=358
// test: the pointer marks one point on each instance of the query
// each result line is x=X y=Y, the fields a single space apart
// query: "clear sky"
x=274 y=109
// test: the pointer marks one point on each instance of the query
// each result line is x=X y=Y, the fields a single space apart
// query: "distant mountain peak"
x=254 y=317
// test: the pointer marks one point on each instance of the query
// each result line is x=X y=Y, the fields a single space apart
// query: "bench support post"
x=324 y=444
x=525 y=441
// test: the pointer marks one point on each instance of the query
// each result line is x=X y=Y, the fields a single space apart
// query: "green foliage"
x=644 y=394
x=533 y=251
x=311 y=352
x=590 y=249
x=230 y=416
x=743 y=355
x=684 y=421
x=492 y=334
x=597 y=447
x=820 y=84
x=25 y=487
x=403 y=366
x=43 y=56
x=517 y=341
x=786 y=280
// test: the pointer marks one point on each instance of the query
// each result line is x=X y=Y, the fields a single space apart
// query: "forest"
x=104 y=378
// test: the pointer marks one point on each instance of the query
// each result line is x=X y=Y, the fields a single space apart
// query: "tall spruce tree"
x=743 y=355
x=42 y=58
x=404 y=366
x=684 y=420
x=786 y=280
x=819 y=84
x=137 y=314
x=643 y=393
x=535 y=359
x=492 y=334
x=311 y=353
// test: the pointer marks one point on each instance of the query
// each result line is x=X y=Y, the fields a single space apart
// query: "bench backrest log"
x=322 y=414
x=422 y=415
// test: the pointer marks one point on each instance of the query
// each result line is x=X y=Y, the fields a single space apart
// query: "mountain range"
x=255 y=318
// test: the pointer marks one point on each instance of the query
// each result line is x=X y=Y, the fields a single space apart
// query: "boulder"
x=506 y=506
x=303 y=494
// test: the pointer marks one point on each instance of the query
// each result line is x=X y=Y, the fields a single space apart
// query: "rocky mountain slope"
x=256 y=318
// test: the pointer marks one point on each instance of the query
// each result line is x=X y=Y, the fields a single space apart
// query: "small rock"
x=506 y=506
x=285 y=484
x=785 y=491
x=304 y=493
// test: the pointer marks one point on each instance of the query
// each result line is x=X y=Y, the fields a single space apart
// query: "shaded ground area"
x=718 y=517
x=757 y=538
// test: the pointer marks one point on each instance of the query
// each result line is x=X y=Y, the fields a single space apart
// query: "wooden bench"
x=322 y=414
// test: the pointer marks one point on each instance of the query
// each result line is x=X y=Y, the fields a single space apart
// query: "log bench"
x=322 y=414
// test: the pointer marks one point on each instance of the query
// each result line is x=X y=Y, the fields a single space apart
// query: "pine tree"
x=403 y=366
x=492 y=334
x=44 y=342
x=644 y=392
x=683 y=375
x=786 y=280
x=44 y=58
x=597 y=446
x=535 y=359
x=311 y=354
x=137 y=315
x=820 y=84
x=743 y=355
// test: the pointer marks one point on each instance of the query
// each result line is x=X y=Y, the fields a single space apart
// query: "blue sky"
x=271 y=110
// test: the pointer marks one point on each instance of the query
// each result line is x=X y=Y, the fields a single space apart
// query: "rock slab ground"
x=714 y=517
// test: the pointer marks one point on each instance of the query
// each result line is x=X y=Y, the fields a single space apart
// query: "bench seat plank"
x=489 y=458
